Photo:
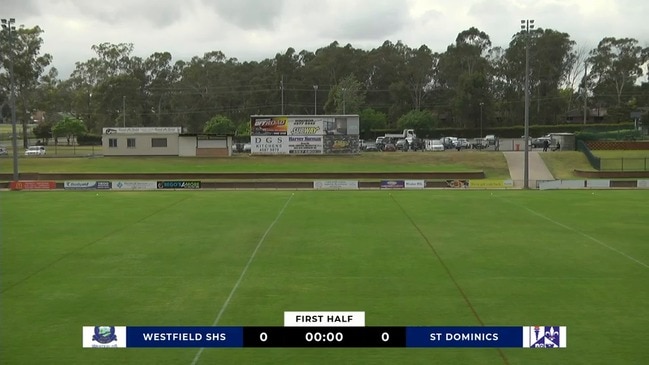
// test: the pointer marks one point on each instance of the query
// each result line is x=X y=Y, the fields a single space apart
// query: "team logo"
x=104 y=334
x=546 y=336
x=111 y=131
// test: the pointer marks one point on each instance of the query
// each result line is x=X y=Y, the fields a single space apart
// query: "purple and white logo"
x=547 y=337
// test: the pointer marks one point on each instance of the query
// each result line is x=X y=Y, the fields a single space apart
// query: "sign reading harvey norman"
x=143 y=130
x=305 y=145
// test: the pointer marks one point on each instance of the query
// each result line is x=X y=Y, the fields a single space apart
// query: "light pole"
x=343 y=92
x=315 y=99
x=526 y=26
x=281 y=88
x=481 y=104
x=11 y=29
x=124 y=111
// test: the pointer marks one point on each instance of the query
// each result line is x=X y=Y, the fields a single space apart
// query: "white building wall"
x=187 y=146
x=143 y=145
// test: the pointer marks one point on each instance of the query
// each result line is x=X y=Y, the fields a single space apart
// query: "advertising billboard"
x=304 y=135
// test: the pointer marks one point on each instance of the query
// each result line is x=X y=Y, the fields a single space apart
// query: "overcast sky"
x=252 y=30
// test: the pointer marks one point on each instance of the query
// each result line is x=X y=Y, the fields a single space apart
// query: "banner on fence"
x=80 y=185
x=598 y=184
x=134 y=185
x=414 y=184
x=335 y=184
x=179 y=184
x=32 y=185
x=393 y=184
x=457 y=184
x=104 y=185
x=490 y=184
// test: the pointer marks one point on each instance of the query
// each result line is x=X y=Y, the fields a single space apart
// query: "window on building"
x=130 y=142
x=158 y=142
x=112 y=142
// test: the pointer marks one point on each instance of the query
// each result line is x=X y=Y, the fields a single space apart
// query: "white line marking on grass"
x=243 y=273
x=582 y=234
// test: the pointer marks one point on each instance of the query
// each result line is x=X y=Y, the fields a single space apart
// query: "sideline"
x=579 y=232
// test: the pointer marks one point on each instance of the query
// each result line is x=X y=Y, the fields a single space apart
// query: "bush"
x=619 y=135
x=89 y=140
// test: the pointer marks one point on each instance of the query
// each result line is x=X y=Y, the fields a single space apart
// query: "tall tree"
x=463 y=70
x=616 y=66
x=22 y=47
x=347 y=97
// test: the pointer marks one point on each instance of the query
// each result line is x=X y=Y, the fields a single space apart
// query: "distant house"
x=641 y=118
x=593 y=115
x=38 y=116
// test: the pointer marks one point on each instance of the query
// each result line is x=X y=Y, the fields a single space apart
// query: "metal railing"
x=624 y=164
x=594 y=161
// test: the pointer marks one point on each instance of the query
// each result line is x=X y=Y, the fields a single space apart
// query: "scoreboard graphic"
x=325 y=329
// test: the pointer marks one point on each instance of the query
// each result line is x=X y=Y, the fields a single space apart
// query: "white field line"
x=582 y=234
x=243 y=273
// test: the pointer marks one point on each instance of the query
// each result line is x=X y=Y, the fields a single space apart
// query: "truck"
x=407 y=134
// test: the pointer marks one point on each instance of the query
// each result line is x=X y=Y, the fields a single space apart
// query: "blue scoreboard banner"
x=417 y=337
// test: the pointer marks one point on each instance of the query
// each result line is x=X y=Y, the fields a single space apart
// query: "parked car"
x=371 y=148
x=3 y=150
x=479 y=143
x=462 y=143
x=389 y=146
x=449 y=142
x=35 y=151
x=491 y=139
x=435 y=145
x=538 y=142
x=402 y=145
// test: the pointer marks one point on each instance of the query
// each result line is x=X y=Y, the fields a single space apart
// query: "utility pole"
x=124 y=110
x=315 y=99
x=281 y=87
x=585 y=94
x=527 y=26
x=481 y=105
x=11 y=29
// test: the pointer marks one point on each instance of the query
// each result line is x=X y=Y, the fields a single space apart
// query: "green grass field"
x=573 y=258
x=493 y=164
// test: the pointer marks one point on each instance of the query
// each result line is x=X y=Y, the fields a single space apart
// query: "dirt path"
x=537 y=169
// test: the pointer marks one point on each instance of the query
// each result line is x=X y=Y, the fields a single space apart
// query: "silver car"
x=35 y=151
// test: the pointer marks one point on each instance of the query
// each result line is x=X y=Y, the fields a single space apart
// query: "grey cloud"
x=369 y=24
x=248 y=14
x=161 y=13
x=19 y=8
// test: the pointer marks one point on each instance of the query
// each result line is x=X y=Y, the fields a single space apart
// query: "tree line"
x=472 y=84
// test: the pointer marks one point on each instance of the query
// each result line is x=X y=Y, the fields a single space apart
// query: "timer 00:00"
x=318 y=337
